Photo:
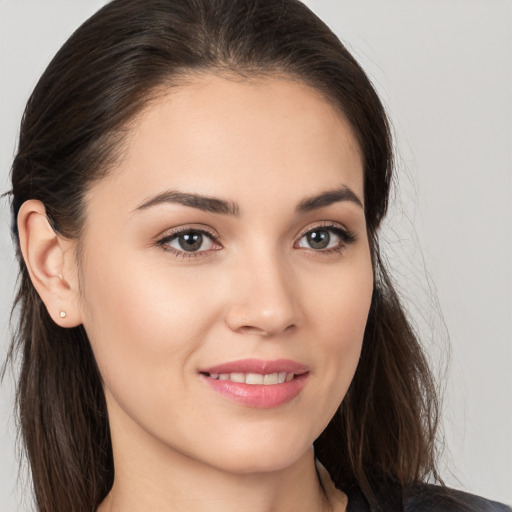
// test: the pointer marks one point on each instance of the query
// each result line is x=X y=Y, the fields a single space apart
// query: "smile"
x=257 y=383
x=254 y=378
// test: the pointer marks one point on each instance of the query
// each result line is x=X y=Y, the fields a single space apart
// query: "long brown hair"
x=72 y=132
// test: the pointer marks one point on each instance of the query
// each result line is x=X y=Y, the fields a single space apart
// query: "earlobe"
x=44 y=253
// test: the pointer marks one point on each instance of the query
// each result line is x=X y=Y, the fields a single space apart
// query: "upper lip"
x=261 y=366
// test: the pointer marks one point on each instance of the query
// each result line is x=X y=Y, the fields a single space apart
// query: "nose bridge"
x=264 y=302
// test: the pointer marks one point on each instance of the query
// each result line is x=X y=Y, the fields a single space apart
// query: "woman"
x=196 y=200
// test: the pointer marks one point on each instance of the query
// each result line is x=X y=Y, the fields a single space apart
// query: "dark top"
x=424 y=498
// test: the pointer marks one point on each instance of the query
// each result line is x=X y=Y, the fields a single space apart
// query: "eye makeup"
x=320 y=238
x=190 y=240
x=193 y=242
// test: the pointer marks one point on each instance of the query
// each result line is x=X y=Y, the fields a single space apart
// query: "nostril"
x=248 y=329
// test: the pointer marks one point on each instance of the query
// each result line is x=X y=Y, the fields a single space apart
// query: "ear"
x=48 y=257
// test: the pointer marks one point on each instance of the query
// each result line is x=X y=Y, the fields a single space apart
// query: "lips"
x=268 y=379
x=257 y=383
x=261 y=366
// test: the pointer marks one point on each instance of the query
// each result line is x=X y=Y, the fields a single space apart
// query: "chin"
x=262 y=454
x=258 y=464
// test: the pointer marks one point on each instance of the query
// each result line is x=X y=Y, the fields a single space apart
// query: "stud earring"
x=63 y=314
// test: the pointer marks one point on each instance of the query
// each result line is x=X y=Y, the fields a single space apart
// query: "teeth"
x=272 y=378
x=255 y=378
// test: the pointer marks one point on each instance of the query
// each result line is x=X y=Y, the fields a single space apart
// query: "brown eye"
x=318 y=239
x=188 y=241
x=324 y=238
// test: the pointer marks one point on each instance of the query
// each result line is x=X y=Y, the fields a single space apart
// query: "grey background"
x=444 y=70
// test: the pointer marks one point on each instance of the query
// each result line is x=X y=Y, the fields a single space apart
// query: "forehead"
x=224 y=136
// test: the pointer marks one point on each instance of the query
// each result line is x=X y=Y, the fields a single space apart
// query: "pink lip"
x=260 y=366
x=255 y=395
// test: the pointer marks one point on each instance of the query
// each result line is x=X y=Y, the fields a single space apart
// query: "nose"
x=263 y=301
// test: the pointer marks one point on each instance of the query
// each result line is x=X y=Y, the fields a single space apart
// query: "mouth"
x=253 y=379
x=258 y=383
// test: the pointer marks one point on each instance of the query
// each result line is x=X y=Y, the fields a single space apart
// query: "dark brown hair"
x=72 y=133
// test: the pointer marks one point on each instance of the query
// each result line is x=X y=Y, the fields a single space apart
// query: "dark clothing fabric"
x=433 y=497
x=424 y=498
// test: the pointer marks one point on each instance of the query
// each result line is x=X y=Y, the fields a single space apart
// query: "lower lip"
x=256 y=395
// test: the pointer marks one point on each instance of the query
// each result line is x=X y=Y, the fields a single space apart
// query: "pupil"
x=191 y=241
x=318 y=239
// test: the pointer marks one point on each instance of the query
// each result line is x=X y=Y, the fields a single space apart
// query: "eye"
x=187 y=242
x=326 y=238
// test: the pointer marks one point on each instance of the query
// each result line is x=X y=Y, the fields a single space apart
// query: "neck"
x=194 y=489
x=148 y=477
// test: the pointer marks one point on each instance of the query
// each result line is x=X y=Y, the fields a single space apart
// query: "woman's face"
x=226 y=274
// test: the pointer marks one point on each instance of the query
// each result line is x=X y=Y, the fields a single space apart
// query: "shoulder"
x=427 y=497
x=421 y=497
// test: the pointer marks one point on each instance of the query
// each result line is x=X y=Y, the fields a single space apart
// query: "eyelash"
x=346 y=237
x=163 y=242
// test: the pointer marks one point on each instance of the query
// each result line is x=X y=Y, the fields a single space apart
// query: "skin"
x=155 y=317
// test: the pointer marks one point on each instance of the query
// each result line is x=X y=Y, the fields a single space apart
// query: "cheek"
x=143 y=329
x=342 y=306
x=341 y=314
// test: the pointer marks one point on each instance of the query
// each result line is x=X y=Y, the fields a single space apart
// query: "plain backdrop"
x=444 y=71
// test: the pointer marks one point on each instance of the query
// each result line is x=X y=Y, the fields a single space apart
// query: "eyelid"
x=171 y=234
x=200 y=228
x=347 y=237
x=323 y=224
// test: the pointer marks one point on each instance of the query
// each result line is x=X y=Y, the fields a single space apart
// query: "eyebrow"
x=205 y=203
x=223 y=207
x=327 y=198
